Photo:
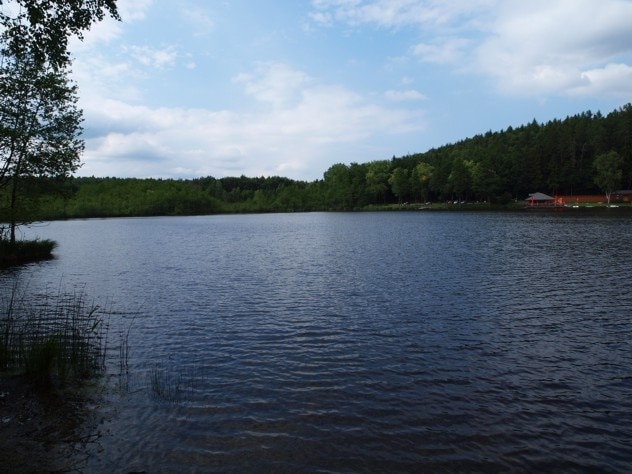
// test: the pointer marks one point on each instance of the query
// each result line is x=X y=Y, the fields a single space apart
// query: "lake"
x=359 y=341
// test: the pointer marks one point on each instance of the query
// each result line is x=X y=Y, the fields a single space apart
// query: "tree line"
x=567 y=157
x=40 y=148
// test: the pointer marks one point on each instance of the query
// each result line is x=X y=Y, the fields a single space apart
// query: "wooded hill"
x=497 y=167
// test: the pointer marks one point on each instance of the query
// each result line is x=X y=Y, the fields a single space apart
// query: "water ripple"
x=369 y=342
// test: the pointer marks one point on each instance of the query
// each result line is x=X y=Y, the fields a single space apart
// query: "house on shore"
x=541 y=200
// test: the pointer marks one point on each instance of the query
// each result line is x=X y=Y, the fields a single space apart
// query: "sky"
x=193 y=88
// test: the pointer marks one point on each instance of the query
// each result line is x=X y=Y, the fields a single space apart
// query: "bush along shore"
x=23 y=251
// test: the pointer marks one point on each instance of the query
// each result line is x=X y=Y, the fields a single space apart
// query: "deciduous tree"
x=420 y=180
x=377 y=180
x=39 y=130
x=43 y=27
x=460 y=179
x=400 y=183
x=608 y=167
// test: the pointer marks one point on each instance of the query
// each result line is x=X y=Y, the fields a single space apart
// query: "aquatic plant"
x=24 y=250
x=173 y=384
x=53 y=340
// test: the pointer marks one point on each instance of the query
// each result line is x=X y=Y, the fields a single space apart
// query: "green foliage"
x=376 y=177
x=420 y=180
x=112 y=197
x=460 y=179
x=400 y=183
x=24 y=250
x=338 y=190
x=497 y=167
x=42 y=27
x=39 y=131
x=609 y=172
x=39 y=119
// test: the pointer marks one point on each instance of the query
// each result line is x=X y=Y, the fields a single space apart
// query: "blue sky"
x=191 y=88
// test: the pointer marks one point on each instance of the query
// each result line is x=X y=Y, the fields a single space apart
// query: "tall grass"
x=53 y=340
x=12 y=253
x=171 y=386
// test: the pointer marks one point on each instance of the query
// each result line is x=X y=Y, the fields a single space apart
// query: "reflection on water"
x=363 y=341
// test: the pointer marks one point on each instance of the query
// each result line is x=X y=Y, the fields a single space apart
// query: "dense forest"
x=501 y=167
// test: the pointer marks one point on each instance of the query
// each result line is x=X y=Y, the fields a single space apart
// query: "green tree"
x=400 y=183
x=42 y=28
x=460 y=179
x=377 y=180
x=420 y=180
x=608 y=167
x=485 y=180
x=438 y=182
x=338 y=187
x=39 y=131
x=357 y=183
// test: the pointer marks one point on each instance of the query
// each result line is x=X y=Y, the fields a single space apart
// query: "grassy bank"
x=21 y=251
x=445 y=206
x=482 y=206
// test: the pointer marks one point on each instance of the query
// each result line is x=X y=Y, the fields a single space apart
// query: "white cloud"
x=202 y=22
x=557 y=47
x=611 y=80
x=154 y=57
x=274 y=83
x=404 y=96
x=133 y=10
x=536 y=48
x=290 y=137
x=97 y=77
x=109 y=30
x=396 y=13
x=442 y=50
x=102 y=32
x=381 y=12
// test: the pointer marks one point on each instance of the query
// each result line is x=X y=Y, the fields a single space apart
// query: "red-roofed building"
x=541 y=200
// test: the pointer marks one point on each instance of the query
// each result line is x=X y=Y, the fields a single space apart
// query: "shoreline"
x=43 y=430
x=408 y=207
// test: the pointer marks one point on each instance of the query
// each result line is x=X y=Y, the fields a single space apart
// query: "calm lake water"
x=360 y=341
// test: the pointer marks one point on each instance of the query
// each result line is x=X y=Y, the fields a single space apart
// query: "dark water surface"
x=362 y=342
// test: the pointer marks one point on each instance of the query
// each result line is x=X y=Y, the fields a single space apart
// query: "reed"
x=165 y=386
x=175 y=383
x=123 y=356
x=21 y=251
x=53 y=340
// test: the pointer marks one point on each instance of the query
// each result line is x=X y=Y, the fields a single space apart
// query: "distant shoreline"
x=406 y=207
